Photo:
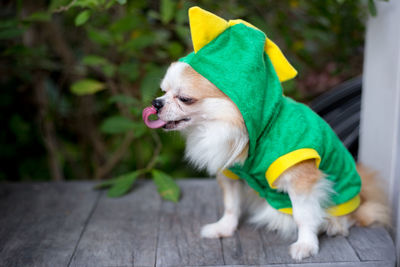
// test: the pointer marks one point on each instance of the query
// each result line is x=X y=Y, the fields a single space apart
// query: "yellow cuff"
x=289 y=160
x=346 y=207
x=229 y=174
x=339 y=210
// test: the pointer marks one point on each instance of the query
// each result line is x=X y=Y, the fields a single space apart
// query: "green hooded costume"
x=248 y=67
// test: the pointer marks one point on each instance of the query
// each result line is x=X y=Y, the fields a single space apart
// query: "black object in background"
x=340 y=107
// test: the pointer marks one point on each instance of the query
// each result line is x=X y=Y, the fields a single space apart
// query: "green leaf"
x=40 y=16
x=93 y=4
x=94 y=60
x=138 y=43
x=108 y=183
x=175 y=49
x=99 y=37
x=125 y=24
x=109 y=4
x=182 y=31
x=181 y=16
x=8 y=23
x=167 y=10
x=129 y=70
x=10 y=33
x=82 y=17
x=121 y=2
x=139 y=129
x=57 y=4
x=124 y=99
x=98 y=61
x=123 y=184
x=117 y=124
x=151 y=83
x=108 y=69
x=166 y=186
x=87 y=87
x=372 y=8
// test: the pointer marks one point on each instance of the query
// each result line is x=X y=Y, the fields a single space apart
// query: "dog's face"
x=216 y=135
x=191 y=100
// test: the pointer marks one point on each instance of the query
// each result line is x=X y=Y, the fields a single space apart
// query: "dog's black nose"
x=158 y=104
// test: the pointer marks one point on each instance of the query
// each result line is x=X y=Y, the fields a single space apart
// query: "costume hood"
x=243 y=63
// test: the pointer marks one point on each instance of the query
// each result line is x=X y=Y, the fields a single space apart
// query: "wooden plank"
x=54 y=215
x=245 y=247
x=372 y=244
x=43 y=224
x=262 y=247
x=318 y=264
x=14 y=203
x=122 y=231
x=250 y=246
x=331 y=249
x=179 y=241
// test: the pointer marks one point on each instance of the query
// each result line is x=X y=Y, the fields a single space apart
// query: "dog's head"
x=213 y=125
x=247 y=68
x=191 y=100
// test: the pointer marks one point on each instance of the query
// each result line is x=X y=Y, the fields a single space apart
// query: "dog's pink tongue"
x=152 y=124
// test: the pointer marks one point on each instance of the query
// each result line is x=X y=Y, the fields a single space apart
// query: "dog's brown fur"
x=305 y=174
x=202 y=88
x=373 y=208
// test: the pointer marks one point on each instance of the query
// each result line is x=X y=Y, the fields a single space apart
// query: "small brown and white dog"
x=216 y=138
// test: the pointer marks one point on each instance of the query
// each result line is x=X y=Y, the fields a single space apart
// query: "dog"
x=218 y=139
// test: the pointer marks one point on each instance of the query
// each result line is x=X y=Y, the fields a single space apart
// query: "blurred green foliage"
x=75 y=75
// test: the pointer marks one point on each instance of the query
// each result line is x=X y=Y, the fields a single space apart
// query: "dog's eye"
x=186 y=100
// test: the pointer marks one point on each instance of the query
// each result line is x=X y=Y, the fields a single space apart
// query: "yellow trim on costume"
x=289 y=160
x=287 y=210
x=206 y=26
x=230 y=174
x=346 y=207
x=339 y=210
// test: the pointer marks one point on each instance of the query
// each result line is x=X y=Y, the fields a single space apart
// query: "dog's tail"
x=374 y=208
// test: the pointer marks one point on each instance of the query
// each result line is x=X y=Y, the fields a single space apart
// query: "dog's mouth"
x=171 y=125
x=158 y=123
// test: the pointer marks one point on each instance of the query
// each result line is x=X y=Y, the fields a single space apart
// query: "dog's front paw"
x=301 y=250
x=217 y=230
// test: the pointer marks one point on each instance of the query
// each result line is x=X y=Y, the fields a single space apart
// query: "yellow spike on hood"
x=206 y=26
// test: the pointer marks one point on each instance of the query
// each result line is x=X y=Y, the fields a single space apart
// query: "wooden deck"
x=69 y=224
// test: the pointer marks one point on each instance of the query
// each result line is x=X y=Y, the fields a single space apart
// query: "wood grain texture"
x=317 y=264
x=49 y=219
x=372 y=244
x=15 y=200
x=69 y=224
x=250 y=247
x=257 y=247
x=179 y=242
x=122 y=231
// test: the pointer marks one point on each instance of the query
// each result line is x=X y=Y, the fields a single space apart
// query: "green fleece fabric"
x=235 y=62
